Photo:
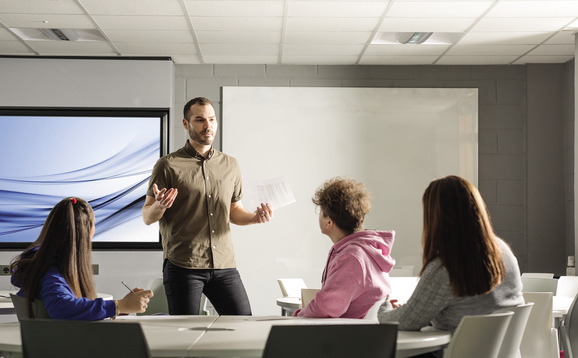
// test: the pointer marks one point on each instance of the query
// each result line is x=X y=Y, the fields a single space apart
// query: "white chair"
x=569 y=331
x=43 y=338
x=402 y=288
x=538 y=275
x=567 y=286
x=540 y=340
x=539 y=284
x=401 y=271
x=511 y=344
x=21 y=308
x=158 y=303
x=332 y=340
x=372 y=314
x=479 y=336
x=291 y=287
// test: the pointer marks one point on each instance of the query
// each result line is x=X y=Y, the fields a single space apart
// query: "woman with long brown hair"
x=467 y=269
x=57 y=268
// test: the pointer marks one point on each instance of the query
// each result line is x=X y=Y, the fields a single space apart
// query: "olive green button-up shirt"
x=195 y=230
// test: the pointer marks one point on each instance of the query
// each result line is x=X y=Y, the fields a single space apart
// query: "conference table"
x=228 y=336
x=6 y=306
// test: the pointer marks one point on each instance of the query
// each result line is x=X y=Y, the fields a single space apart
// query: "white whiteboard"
x=395 y=141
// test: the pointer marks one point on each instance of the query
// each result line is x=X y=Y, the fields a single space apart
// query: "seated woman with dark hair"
x=57 y=269
x=356 y=275
x=467 y=269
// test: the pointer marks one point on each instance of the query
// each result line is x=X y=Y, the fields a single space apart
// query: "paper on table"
x=276 y=192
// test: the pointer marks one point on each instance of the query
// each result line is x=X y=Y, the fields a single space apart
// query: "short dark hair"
x=345 y=201
x=202 y=101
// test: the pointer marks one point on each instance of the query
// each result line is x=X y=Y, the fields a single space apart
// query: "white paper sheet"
x=276 y=192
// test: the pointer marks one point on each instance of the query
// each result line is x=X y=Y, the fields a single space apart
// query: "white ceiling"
x=330 y=32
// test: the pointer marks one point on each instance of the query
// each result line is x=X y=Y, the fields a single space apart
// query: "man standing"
x=200 y=193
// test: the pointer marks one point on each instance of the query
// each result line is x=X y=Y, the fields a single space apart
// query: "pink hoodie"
x=355 y=277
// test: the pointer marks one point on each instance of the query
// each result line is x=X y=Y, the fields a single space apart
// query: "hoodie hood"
x=376 y=244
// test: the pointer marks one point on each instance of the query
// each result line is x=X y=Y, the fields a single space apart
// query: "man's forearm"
x=152 y=213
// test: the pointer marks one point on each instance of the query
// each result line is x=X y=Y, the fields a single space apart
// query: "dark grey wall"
x=525 y=145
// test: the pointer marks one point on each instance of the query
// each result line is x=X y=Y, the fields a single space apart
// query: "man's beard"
x=196 y=137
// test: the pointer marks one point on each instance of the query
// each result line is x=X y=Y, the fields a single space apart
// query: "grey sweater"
x=432 y=302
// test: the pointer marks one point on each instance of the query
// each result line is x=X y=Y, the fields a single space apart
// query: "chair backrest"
x=539 y=284
x=401 y=271
x=511 y=344
x=567 y=286
x=538 y=274
x=537 y=341
x=479 y=336
x=307 y=295
x=372 y=313
x=158 y=303
x=332 y=341
x=569 y=331
x=87 y=339
x=402 y=288
x=291 y=287
x=20 y=306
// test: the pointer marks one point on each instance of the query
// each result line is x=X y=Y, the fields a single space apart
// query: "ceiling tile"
x=335 y=24
x=521 y=24
x=239 y=49
x=238 y=37
x=504 y=38
x=150 y=36
x=561 y=38
x=549 y=8
x=67 y=48
x=6 y=35
x=476 y=60
x=40 y=7
x=553 y=50
x=336 y=9
x=408 y=50
x=492 y=50
x=543 y=59
x=161 y=23
x=14 y=48
x=398 y=60
x=235 y=8
x=438 y=9
x=241 y=60
x=133 y=7
x=186 y=59
x=47 y=21
x=237 y=23
x=156 y=49
x=321 y=50
x=313 y=60
x=327 y=38
x=426 y=25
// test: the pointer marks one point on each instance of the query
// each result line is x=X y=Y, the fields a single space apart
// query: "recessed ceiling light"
x=52 y=34
x=416 y=38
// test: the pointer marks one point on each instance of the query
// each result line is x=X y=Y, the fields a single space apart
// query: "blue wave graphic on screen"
x=112 y=174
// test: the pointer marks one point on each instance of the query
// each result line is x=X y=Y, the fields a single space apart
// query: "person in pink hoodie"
x=357 y=271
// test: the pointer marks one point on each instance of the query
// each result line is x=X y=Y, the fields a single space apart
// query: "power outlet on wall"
x=4 y=270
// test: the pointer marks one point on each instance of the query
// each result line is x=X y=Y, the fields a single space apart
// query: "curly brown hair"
x=345 y=201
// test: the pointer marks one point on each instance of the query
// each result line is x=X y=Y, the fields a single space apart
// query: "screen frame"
x=163 y=115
